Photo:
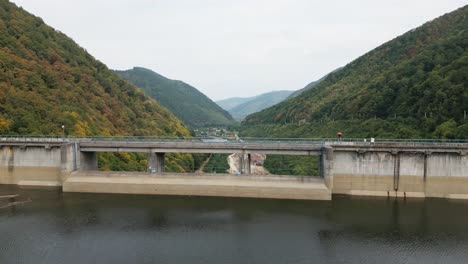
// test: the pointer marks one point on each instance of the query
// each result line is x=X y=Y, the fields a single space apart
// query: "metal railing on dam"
x=283 y=146
x=246 y=140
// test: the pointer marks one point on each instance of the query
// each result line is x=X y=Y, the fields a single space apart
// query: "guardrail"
x=31 y=139
x=39 y=139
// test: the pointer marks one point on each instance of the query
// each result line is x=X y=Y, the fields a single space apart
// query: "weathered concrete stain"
x=10 y=156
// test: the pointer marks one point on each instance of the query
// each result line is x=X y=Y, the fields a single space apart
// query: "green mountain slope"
x=310 y=85
x=415 y=85
x=186 y=102
x=307 y=87
x=257 y=103
x=47 y=80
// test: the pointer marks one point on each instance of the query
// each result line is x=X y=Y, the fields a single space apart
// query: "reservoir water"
x=58 y=227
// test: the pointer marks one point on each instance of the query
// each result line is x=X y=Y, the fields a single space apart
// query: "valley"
x=239 y=108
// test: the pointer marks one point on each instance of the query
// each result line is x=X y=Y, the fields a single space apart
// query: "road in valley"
x=256 y=166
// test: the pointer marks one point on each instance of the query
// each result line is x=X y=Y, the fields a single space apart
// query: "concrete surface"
x=186 y=184
x=406 y=170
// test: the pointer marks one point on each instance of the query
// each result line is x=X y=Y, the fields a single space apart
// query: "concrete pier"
x=155 y=162
x=246 y=162
x=327 y=165
x=40 y=165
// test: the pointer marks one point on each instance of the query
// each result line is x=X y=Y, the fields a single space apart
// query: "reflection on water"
x=101 y=228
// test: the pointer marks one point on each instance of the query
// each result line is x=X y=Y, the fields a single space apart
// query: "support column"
x=155 y=162
x=246 y=160
x=326 y=166
x=151 y=162
x=68 y=158
x=159 y=162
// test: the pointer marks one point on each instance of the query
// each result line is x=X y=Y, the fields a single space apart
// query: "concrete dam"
x=394 y=169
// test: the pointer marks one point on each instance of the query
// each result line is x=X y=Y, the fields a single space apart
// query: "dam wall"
x=401 y=174
x=351 y=168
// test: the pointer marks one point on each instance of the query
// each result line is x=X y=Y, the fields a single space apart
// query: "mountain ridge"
x=241 y=107
x=45 y=76
x=231 y=102
x=311 y=84
x=189 y=104
x=411 y=86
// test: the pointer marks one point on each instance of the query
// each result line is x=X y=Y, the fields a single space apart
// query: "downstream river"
x=68 y=228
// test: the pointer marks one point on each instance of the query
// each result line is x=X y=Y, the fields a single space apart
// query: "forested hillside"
x=47 y=80
x=310 y=85
x=415 y=85
x=185 y=101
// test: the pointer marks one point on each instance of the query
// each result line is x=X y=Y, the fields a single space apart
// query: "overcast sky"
x=235 y=48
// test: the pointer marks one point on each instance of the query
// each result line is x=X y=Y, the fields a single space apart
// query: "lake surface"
x=58 y=227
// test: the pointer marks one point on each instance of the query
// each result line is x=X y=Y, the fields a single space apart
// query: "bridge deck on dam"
x=280 y=187
x=203 y=147
x=287 y=146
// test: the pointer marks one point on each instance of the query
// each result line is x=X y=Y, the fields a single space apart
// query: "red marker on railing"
x=340 y=135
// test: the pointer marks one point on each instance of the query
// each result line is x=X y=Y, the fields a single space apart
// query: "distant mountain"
x=242 y=107
x=186 y=102
x=413 y=86
x=232 y=102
